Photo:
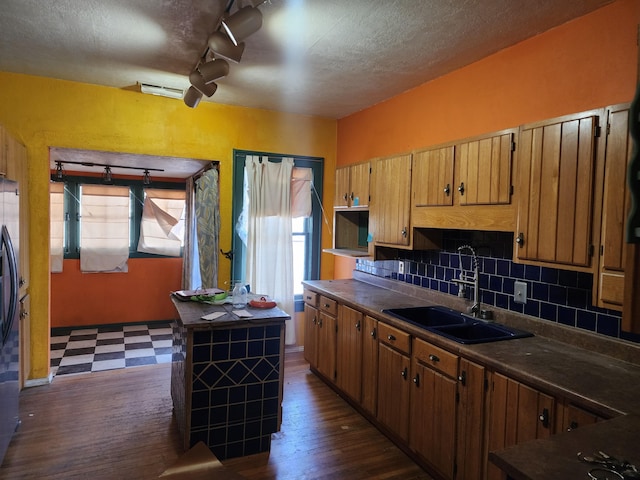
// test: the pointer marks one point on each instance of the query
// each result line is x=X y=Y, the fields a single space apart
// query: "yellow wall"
x=45 y=112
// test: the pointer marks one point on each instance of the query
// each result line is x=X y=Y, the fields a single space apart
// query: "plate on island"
x=262 y=302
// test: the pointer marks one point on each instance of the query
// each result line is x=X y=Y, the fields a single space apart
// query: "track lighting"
x=205 y=74
x=221 y=46
x=192 y=97
x=106 y=176
x=243 y=23
x=146 y=178
x=59 y=171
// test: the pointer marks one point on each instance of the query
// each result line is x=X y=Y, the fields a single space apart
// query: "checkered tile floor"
x=81 y=350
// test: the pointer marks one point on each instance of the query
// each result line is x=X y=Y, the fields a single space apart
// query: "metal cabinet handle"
x=315 y=320
x=404 y=232
x=520 y=239
x=447 y=190
x=461 y=188
x=326 y=305
x=403 y=373
x=572 y=426
x=308 y=297
x=391 y=338
x=373 y=333
x=358 y=326
x=416 y=379
x=345 y=197
x=434 y=358
x=351 y=196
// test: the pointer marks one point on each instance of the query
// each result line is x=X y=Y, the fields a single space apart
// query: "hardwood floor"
x=119 y=425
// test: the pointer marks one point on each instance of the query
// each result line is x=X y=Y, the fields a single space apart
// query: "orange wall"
x=141 y=294
x=587 y=63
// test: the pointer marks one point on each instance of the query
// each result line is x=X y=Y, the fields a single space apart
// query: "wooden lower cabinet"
x=393 y=385
x=311 y=334
x=432 y=433
x=571 y=417
x=369 y=400
x=327 y=337
x=349 y=352
x=472 y=405
x=518 y=413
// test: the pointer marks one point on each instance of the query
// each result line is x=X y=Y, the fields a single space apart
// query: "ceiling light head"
x=198 y=83
x=221 y=46
x=243 y=23
x=106 y=175
x=59 y=171
x=214 y=70
x=146 y=178
x=192 y=97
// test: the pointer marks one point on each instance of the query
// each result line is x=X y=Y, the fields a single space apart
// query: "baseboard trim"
x=38 y=382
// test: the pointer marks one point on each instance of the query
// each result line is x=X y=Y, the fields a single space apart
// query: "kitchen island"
x=226 y=376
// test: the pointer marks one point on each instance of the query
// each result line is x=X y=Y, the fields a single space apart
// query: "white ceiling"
x=318 y=57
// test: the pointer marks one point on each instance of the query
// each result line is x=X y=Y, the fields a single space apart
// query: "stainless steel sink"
x=455 y=325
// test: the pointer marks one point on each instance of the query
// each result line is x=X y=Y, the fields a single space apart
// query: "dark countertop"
x=567 y=363
x=190 y=314
x=556 y=457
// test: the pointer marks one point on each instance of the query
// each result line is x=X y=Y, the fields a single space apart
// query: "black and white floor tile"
x=93 y=349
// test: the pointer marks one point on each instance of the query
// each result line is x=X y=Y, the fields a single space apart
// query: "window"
x=306 y=231
x=105 y=225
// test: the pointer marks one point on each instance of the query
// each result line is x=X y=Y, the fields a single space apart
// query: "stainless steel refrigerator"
x=9 y=312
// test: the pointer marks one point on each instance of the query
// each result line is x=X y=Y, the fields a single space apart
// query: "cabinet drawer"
x=329 y=306
x=394 y=337
x=310 y=297
x=436 y=357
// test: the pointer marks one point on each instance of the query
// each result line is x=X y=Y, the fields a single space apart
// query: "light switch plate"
x=520 y=292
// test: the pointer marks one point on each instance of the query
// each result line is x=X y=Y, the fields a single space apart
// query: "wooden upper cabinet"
x=616 y=203
x=391 y=200
x=352 y=186
x=556 y=172
x=485 y=170
x=432 y=177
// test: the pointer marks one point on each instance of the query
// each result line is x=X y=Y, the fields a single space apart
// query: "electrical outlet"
x=400 y=267
x=520 y=292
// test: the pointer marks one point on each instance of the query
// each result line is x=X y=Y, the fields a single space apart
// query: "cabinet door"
x=390 y=200
x=575 y=417
x=311 y=335
x=485 y=170
x=393 y=391
x=432 y=177
x=518 y=413
x=556 y=161
x=470 y=458
x=359 y=181
x=342 y=191
x=433 y=418
x=370 y=365
x=349 y=352
x=616 y=203
x=327 y=345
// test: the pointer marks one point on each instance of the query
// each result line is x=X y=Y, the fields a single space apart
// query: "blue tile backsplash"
x=561 y=296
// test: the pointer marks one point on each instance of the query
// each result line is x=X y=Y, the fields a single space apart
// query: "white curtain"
x=269 y=246
x=56 y=212
x=162 y=225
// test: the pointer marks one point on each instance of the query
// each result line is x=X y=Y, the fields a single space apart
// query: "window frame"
x=136 y=193
x=314 y=245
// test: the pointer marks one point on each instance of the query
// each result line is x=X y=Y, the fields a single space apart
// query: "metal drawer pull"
x=434 y=358
x=391 y=338
x=326 y=305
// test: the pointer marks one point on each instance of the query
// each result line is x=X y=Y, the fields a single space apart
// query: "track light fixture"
x=106 y=176
x=222 y=47
x=59 y=171
x=242 y=24
x=224 y=44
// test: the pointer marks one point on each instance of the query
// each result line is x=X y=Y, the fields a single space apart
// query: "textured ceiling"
x=319 y=57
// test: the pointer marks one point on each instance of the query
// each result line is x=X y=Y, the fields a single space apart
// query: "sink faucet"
x=469 y=278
